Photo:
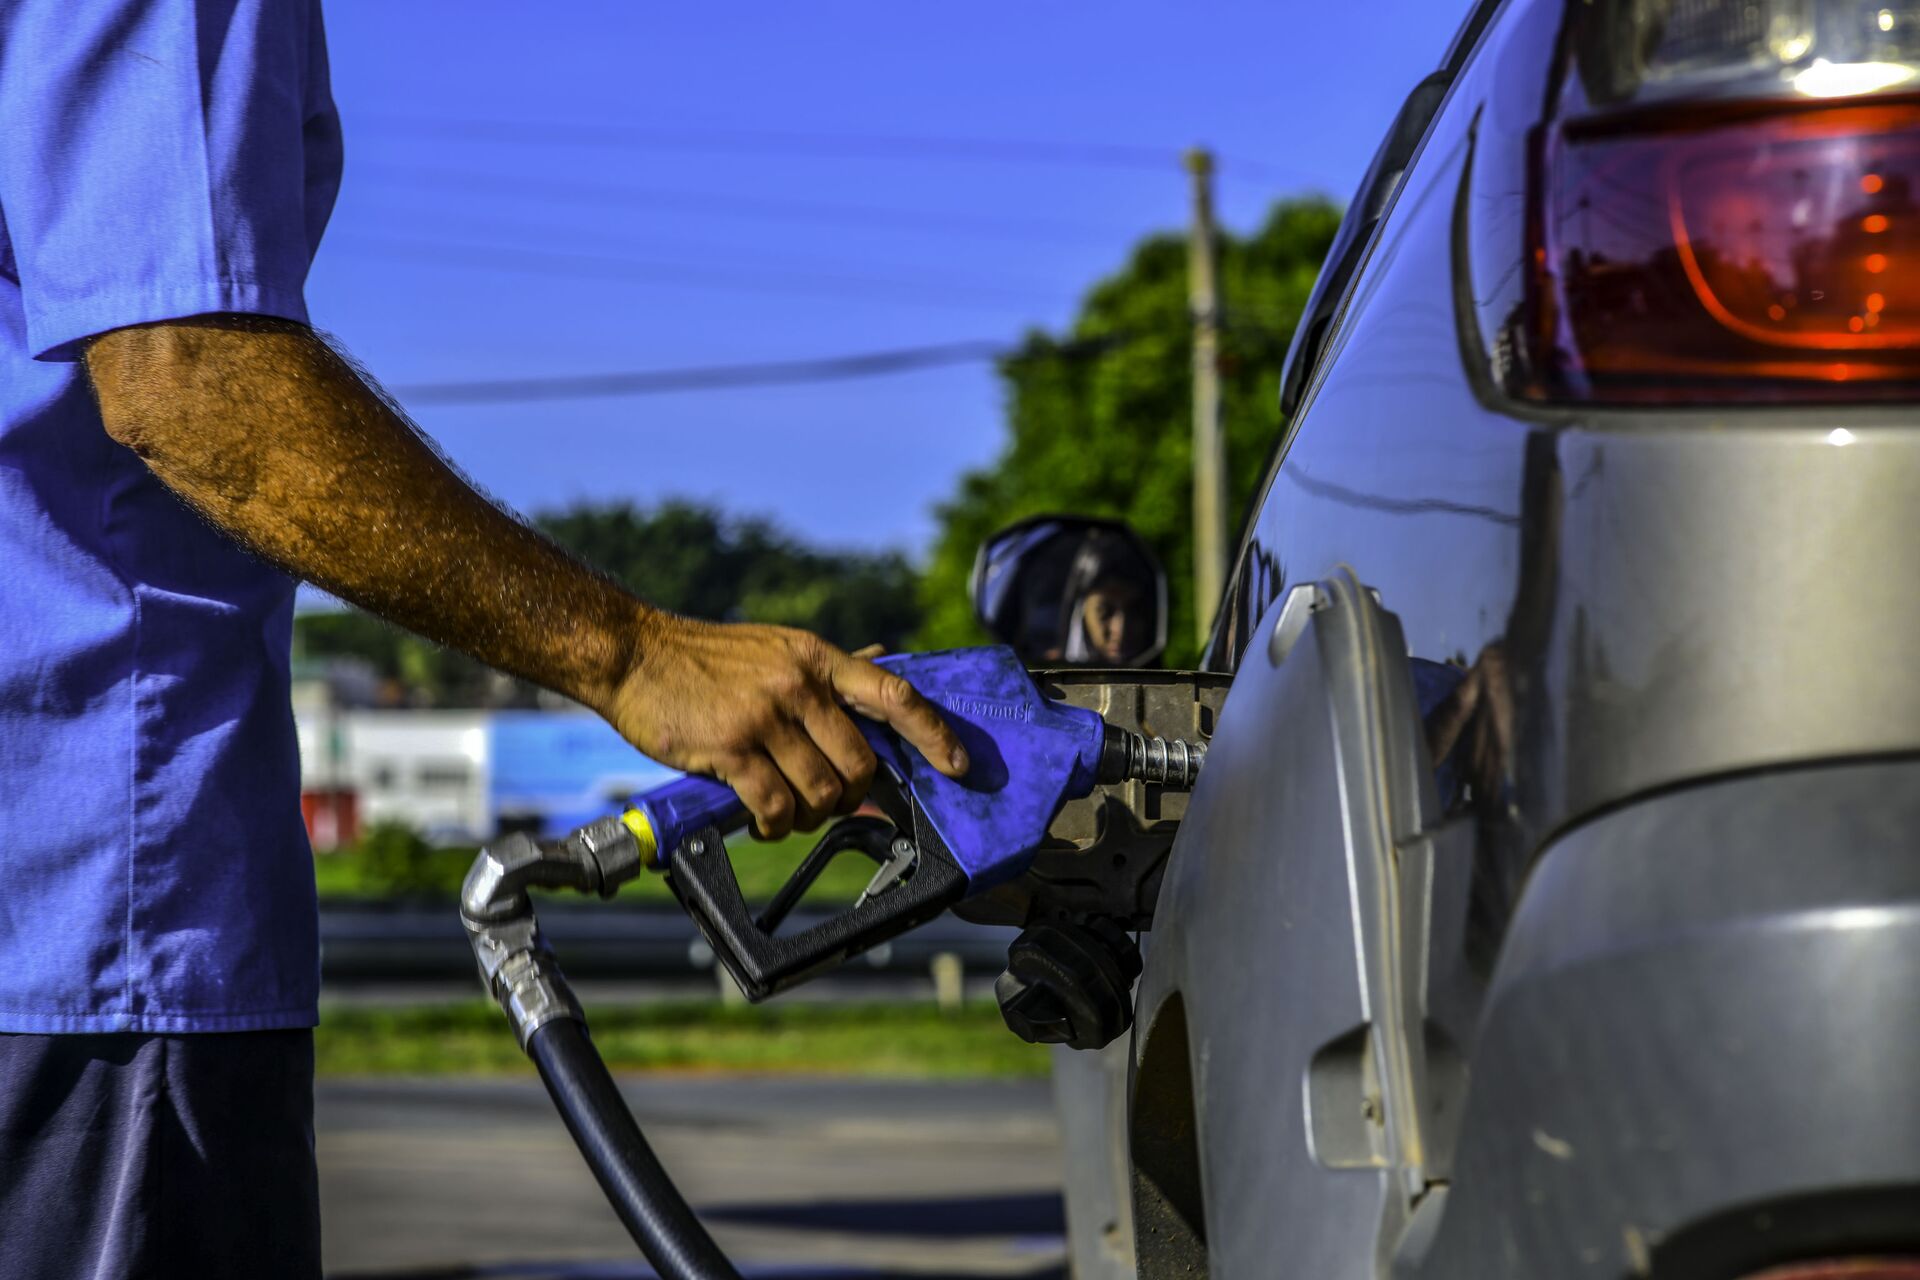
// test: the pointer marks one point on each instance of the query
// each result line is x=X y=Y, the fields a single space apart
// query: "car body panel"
x=1304 y=1007
x=1672 y=595
x=1701 y=1025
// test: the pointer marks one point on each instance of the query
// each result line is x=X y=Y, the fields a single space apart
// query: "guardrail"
x=375 y=939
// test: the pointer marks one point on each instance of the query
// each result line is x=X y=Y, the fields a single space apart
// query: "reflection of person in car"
x=1108 y=605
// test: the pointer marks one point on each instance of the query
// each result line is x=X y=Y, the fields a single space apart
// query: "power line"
x=763 y=142
x=659 y=198
x=1102 y=155
x=938 y=292
x=869 y=364
x=706 y=378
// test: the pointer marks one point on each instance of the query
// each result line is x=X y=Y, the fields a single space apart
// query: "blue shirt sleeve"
x=163 y=158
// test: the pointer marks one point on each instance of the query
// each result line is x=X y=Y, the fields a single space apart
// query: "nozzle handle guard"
x=921 y=880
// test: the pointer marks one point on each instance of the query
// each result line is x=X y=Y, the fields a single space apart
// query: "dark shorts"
x=154 y=1156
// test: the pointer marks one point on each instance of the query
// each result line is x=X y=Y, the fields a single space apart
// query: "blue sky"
x=580 y=188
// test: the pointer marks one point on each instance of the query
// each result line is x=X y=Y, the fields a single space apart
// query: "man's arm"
x=277 y=441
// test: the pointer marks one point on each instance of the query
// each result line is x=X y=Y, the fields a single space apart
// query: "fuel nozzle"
x=1173 y=763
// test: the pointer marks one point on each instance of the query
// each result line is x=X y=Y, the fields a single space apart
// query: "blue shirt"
x=158 y=159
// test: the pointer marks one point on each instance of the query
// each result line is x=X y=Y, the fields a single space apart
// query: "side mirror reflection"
x=1072 y=591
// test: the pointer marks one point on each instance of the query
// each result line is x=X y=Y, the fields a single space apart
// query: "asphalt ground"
x=444 y=1179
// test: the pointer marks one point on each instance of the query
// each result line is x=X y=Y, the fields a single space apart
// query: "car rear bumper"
x=1699 y=1049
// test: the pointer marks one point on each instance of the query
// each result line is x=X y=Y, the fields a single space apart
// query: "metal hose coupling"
x=516 y=965
x=1172 y=763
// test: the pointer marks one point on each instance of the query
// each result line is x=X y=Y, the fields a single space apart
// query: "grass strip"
x=895 y=1040
x=761 y=867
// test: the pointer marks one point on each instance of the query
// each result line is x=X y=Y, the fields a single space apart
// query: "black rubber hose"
x=655 y=1213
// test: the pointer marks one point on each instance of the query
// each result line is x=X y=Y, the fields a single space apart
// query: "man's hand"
x=276 y=440
x=760 y=708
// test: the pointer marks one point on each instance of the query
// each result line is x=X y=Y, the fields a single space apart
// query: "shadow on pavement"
x=640 y=1271
x=1039 y=1218
x=1038 y=1214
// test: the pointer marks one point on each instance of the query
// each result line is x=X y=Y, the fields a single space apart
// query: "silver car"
x=1550 y=904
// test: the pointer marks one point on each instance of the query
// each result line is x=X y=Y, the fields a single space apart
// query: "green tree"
x=426 y=672
x=697 y=561
x=1099 y=421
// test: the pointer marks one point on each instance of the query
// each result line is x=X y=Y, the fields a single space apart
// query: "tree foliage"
x=1100 y=420
x=699 y=562
x=412 y=671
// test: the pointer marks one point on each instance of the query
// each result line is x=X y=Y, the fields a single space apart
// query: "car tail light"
x=1845 y=1269
x=1708 y=226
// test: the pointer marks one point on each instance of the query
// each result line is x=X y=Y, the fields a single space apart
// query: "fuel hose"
x=652 y=1208
x=519 y=970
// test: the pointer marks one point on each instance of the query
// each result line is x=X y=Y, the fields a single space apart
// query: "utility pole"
x=1209 y=459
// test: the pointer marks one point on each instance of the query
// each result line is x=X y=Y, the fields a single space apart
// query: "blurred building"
x=461 y=777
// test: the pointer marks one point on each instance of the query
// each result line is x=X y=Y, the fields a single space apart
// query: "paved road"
x=798 y=1177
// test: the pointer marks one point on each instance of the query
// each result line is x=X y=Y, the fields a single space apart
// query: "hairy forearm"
x=278 y=442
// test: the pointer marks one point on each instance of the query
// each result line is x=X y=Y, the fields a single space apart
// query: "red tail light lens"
x=1773 y=256
x=1845 y=1269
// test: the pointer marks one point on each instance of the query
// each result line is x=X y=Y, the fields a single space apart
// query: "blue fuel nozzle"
x=1029 y=755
